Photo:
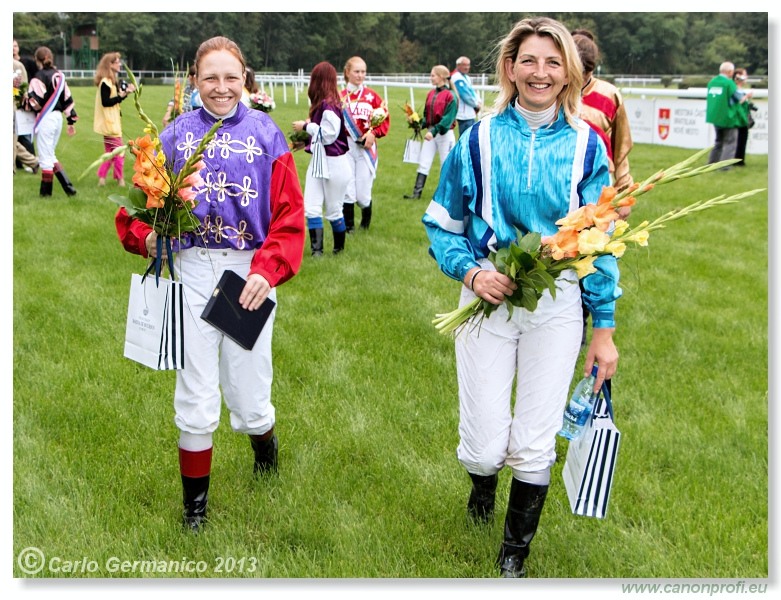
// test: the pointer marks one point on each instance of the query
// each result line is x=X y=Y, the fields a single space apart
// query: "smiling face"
x=356 y=74
x=220 y=81
x=538 y=72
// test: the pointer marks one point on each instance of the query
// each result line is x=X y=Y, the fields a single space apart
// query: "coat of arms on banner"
x=663 y=124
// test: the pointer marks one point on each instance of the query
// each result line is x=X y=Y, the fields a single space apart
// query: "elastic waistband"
x=224 y=255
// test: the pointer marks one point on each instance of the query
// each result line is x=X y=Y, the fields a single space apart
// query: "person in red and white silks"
x=360 y=101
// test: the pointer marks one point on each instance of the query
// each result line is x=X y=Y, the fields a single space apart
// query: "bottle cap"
x=594 y=370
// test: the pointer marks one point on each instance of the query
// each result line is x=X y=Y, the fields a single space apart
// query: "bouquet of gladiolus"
x=262 y=101
x=593 y=230
x=413 y=120
x=162 y=198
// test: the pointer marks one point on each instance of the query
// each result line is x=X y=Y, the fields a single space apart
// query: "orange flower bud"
x=607 y=195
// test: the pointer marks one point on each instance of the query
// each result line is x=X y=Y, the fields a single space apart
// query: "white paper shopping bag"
x=154 y=334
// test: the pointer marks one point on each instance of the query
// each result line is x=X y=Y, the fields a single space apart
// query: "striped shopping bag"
x=591 y=462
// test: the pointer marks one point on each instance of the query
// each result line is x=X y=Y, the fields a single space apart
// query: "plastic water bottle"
x=580 y=407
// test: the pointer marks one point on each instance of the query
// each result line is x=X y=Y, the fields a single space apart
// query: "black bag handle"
x=605 y=392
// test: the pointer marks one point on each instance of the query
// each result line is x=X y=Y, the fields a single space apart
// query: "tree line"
x=630 y=43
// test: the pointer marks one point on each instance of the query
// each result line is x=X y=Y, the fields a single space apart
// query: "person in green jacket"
x=745 y=120
x=722 y=112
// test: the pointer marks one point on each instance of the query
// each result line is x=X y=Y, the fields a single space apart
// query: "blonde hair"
x=104 y=69
x=569 y=97
x=443 y=72
x=349 y=65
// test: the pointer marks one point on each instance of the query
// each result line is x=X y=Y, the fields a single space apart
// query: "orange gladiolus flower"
x=604 y=215
x=563 y=244
x=607 y=195
x=578 y=219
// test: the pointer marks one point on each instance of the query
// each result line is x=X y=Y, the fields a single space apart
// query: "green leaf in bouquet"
x=499 y=258
x=137 y=197
x=134 y=202
x=543 y=279
x=530 y=243
x=529 y=298
x=527 y=261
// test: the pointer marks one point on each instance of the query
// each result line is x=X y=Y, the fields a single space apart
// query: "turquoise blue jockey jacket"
x=504 y=176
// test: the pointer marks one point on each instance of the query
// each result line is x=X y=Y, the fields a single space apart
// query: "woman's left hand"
x=602 y=351
x=429 y=136
x=71 y=130
x=255 y=291
x=299 y=125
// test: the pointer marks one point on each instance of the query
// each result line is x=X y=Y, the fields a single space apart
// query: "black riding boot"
x=520 y=525
x=266 y=448
x=482 y=499
x=195 y=492
x=46 y=188
x=366 y=217
x=339 y=238
x=419 y=183
x=64 y=181
x=316 y=241
x=349 y=216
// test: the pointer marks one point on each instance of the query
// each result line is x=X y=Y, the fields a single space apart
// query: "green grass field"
x=365 y=391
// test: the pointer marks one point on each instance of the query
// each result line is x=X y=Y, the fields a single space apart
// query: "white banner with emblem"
x=681 y=123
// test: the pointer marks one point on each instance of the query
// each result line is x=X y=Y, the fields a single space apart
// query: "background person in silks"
x=604 y=110
x=439 y=117
x=326 y=123
x=51 y=98
x=480 y=204
x=251 y=216
x=468 y=101
x=359 y=103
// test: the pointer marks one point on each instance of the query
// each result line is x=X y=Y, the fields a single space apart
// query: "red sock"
x=195 y=464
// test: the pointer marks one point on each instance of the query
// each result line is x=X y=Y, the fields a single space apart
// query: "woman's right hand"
x=491 y=286
x=151 y=244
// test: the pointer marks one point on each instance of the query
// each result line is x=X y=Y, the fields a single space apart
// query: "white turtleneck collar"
x=351 y=87
x=224 y=117
x=535 y=120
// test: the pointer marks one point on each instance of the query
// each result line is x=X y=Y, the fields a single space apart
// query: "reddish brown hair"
x=323 y=87
x=219 y=43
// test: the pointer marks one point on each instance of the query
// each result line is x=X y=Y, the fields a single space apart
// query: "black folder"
x=226 y=314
